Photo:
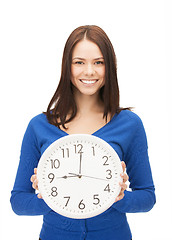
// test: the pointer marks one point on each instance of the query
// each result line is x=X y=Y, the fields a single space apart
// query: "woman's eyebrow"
x=84 y=58
x=78 y=58
x=99 y=58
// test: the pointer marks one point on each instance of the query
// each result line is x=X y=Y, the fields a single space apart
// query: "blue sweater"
x=126 y=134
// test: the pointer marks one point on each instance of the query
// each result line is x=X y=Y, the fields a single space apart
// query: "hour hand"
x=65 y=177
x=75 y=175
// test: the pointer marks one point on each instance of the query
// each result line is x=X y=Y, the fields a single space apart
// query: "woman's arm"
x=141 y=198
x=24 y=201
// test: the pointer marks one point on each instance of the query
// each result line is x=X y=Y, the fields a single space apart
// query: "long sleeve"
x=24 y=201
x=142 y=196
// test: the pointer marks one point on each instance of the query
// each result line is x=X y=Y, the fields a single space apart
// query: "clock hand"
x=80 y=160
x=77 y=175
x=95 y=178
x=67 y=176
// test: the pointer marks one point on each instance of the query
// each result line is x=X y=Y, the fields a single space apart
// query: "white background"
x=33 y=34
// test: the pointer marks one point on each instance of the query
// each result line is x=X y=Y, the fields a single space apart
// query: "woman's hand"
x=34 y=181
x=122 y=184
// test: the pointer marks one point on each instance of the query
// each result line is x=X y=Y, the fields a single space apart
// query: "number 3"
x=109 y=174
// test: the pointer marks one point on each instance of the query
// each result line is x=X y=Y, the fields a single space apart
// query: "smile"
x=88 y=81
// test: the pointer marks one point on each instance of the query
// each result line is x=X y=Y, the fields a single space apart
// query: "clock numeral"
x=95 y=197
x=68 y=198
x=93 y=151
x=55 y=163
x=106 y=160
x=51 y=177
x=107 y=188
x=81 y=205
x=54 y=192
x=80 y=147
x=109 y=174
x=67 y=152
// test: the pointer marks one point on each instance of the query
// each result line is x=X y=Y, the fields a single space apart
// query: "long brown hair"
x=63 y=102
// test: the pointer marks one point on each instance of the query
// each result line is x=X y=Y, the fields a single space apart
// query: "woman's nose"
x=89 y=70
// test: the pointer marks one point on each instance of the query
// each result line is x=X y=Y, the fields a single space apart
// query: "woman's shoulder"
x=132 y=126
x=130 y=117
x=39 y=117
x=38 y=120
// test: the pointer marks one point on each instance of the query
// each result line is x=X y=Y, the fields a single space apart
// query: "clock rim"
x=60 y=211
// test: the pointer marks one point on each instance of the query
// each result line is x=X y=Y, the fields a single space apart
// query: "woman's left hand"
x=122 y=184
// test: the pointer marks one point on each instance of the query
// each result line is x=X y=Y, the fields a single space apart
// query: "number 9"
x=51 y=177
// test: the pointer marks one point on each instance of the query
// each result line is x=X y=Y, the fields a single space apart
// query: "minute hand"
x=88 y=176
x=80 y=160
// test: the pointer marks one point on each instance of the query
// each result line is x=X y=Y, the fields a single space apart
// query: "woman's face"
x=88 y=68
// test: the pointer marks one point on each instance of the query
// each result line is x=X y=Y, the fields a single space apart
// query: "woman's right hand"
x=34 y=181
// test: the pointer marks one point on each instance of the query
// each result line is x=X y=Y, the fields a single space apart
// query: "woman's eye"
x=79 y=62
x=99 y=62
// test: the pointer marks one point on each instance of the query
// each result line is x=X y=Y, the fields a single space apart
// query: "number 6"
x=81 y=205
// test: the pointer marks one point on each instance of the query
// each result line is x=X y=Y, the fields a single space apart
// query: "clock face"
x=79 y=175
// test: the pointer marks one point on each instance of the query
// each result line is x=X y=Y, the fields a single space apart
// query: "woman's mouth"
x=86 y=81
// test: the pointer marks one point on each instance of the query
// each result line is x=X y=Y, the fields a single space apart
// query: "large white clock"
x=79 y=175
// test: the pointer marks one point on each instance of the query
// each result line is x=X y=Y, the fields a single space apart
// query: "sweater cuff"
x=44 y=208
x=136 y=201
x=123 y=204
x=28 y=204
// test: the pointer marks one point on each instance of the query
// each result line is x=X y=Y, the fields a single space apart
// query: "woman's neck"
x=88 y=104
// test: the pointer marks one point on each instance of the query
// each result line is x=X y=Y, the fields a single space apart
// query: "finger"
x=35 y=184
x=123 y=186
x=120 y=197
x=123 y=166
x=35 y=170
x=33 y=177
x=124 y=176
x=39 y=196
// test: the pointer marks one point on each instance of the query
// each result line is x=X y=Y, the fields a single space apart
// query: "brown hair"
x=63 y=102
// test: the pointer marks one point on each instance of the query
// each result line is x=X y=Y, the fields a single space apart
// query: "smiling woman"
x=91 y=56
x=86 y=101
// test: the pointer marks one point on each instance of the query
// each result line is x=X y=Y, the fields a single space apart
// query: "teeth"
x=89 y=81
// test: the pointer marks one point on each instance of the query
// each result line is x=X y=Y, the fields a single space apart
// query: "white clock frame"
x=78 y=176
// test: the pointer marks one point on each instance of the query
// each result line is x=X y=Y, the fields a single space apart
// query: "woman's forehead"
x=86 y=49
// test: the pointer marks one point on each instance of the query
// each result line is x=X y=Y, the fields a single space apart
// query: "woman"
x=87 y=101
